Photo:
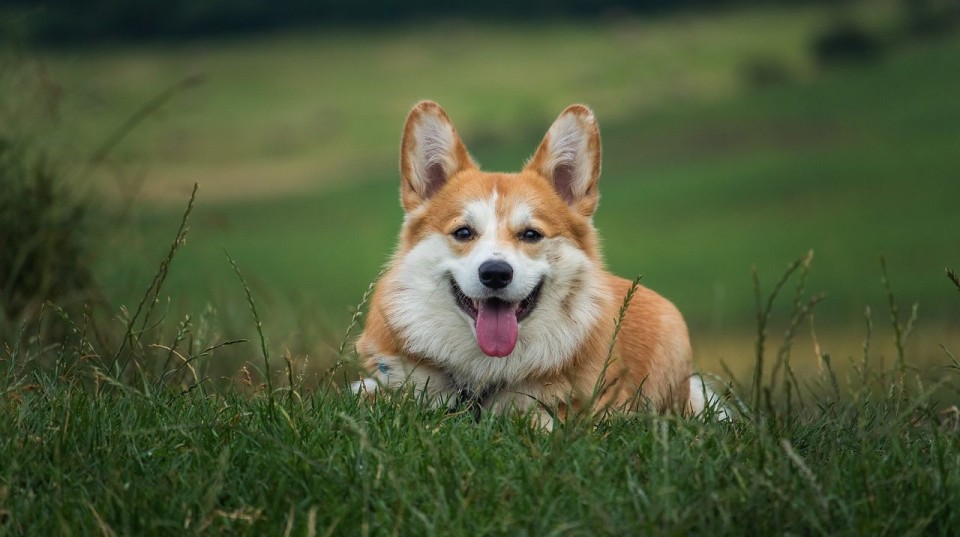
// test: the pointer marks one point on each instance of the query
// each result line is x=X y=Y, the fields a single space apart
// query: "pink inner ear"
x=435 y=179
x=563 y=182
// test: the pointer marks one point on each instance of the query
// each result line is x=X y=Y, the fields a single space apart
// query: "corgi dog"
x=497 y=296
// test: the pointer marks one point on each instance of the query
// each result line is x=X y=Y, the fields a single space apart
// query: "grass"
x=311 y=109
x=293 y=140
x=129 y=464
x=692 y=198
x=162 y=419
x=155 y=452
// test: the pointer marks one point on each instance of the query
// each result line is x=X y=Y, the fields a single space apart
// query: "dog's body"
x=497 y=290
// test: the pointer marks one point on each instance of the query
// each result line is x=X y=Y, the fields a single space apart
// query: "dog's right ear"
x=431 y=153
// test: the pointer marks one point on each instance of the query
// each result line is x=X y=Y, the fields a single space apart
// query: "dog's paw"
x=365 y=387
x=542 y=421
x=704 y=402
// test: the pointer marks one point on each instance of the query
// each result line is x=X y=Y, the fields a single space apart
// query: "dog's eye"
x=463 y=234
x=531 y=235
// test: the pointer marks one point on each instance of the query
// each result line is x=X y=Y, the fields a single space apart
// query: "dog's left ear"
x=569 y=156
x=430 y=154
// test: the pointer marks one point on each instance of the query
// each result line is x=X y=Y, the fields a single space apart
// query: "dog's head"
x=498 y=250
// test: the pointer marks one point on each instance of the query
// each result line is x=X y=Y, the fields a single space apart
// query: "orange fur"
x=651 y=357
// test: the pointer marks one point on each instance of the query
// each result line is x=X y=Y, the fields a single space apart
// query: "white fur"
x=527 y=272
x=521 y=217
x=434 y=144
x=422 y=309
x=702 y=398
x=394 y=373
x=481 y=215
x=365 y=386
x=568 y=144
x=437 y=387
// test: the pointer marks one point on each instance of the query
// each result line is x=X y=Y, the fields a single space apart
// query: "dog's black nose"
x=495 y=274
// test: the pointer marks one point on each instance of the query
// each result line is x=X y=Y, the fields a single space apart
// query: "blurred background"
x=736 y=135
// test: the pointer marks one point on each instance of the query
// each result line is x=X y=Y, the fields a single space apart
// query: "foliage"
x=65 y=21
x=130 y=464
x=127 y=429
x=925 y=18
x=87 y=452
x=44 y=240
x=847 y=41
x=692 y=191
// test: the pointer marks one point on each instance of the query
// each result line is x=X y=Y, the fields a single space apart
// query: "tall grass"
x=44 y=240
x=118 y=423
x=90 y=451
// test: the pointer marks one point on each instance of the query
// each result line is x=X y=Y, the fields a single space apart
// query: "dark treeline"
x=67 y=21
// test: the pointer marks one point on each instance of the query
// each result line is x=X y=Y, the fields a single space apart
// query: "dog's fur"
x=545 y=339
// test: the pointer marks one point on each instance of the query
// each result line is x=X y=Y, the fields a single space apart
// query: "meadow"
x=293 y=140
x=90 y=450
x=158 y=418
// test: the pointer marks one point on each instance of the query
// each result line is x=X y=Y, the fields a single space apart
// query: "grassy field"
x=160 y=420
x=316 y=109
x=293 y=140
x=92 y=451
x=94 y=465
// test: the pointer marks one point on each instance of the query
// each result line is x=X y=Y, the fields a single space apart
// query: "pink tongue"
x=497 y=327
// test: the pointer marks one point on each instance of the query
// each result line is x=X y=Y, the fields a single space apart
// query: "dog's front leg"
x=399 y=373
x=526 y=398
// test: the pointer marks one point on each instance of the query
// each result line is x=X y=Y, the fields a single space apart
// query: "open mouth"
x=495 y=319
x=471 y=306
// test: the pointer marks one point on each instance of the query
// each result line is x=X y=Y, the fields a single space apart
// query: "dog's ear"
x=431 y=153
x=569 y=156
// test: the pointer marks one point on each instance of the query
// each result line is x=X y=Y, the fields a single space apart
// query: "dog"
x=497 y=296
